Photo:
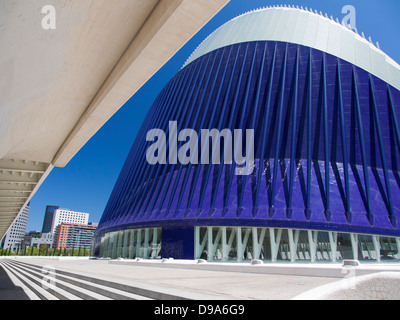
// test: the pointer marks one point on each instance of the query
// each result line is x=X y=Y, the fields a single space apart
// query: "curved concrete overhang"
x=59 y=86
x=308 y=28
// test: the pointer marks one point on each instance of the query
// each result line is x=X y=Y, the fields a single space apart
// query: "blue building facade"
x=324 y=183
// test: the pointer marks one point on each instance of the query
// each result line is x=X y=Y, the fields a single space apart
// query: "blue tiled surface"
x=351 y=126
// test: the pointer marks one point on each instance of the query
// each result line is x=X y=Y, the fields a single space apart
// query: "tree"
x=43 y=249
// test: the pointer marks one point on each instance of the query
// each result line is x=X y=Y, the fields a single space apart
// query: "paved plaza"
x=208 y=281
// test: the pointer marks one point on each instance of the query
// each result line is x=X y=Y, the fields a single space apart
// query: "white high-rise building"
x=68 y=216
x=13 y=239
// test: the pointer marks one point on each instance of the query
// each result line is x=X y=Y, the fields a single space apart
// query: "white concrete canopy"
x=308 y=28
x=58 y=87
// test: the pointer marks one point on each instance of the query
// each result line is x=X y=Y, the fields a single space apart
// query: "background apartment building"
x=15 y=235
x=68 y=216
x=74 y=236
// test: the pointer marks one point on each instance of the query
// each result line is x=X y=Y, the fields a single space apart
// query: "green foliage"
x=6 y=252
x=44 y=250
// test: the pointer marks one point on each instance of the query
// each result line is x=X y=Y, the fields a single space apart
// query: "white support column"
x=398 y=248
x=138 y=242
x=120 y=243
x=154 y=244
x=110 y=245
x=216 y=242
x=197 y=251
x=354 y=245
x=115 y=244
x=125 y=247
x=241 y=245
x=312 y=241
x=258 y=241
x=106 y=242
x=377 y=247
x=102 y=241
x=230 y=241
x=146 y=243
x=225 y=251
x=104 y=247
x=293 y=242
x=256 y=250
x=200 y=243
x=115 y=248
x=159 y=244
x=210 y=247
x=274 y=243
x=132 y=245
x=333 y=243
x=246 y=238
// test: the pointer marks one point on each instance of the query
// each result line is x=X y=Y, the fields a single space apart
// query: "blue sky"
x=86 y=183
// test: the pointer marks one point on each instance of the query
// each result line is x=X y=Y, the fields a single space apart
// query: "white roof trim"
x=305 y=28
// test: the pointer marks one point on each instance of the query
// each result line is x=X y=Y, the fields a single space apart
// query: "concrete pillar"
x=154 y=244
x=226 y=243
x=138 y=243
x=210 y=251
x=197 y=245
x=104 y=246
x=312 y=241
x=110 y=245
x=230 y=241
x=146 y=243
x=241 y=245
x=398 y=248
x=132 y=245
x=125 y=246
x=258 y=242
x=377 y=247
x=159 y=242
x=354 y=245
x=200 y=243
x=115 y=245
x=213 y=245
x=120 y=242
x=225 y=251
x=333 y=243
x=293 y=242
x=274 y=243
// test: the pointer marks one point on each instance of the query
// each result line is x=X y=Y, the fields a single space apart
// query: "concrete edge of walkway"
x=310 y=270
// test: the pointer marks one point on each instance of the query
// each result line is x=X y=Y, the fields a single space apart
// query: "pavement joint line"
x=312 y=270
x=65 y=286
x=58 y=292
x=144 y=289
x=118 y=294
x=32 y=283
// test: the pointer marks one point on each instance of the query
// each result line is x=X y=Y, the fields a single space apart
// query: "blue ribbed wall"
x=310 y=111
